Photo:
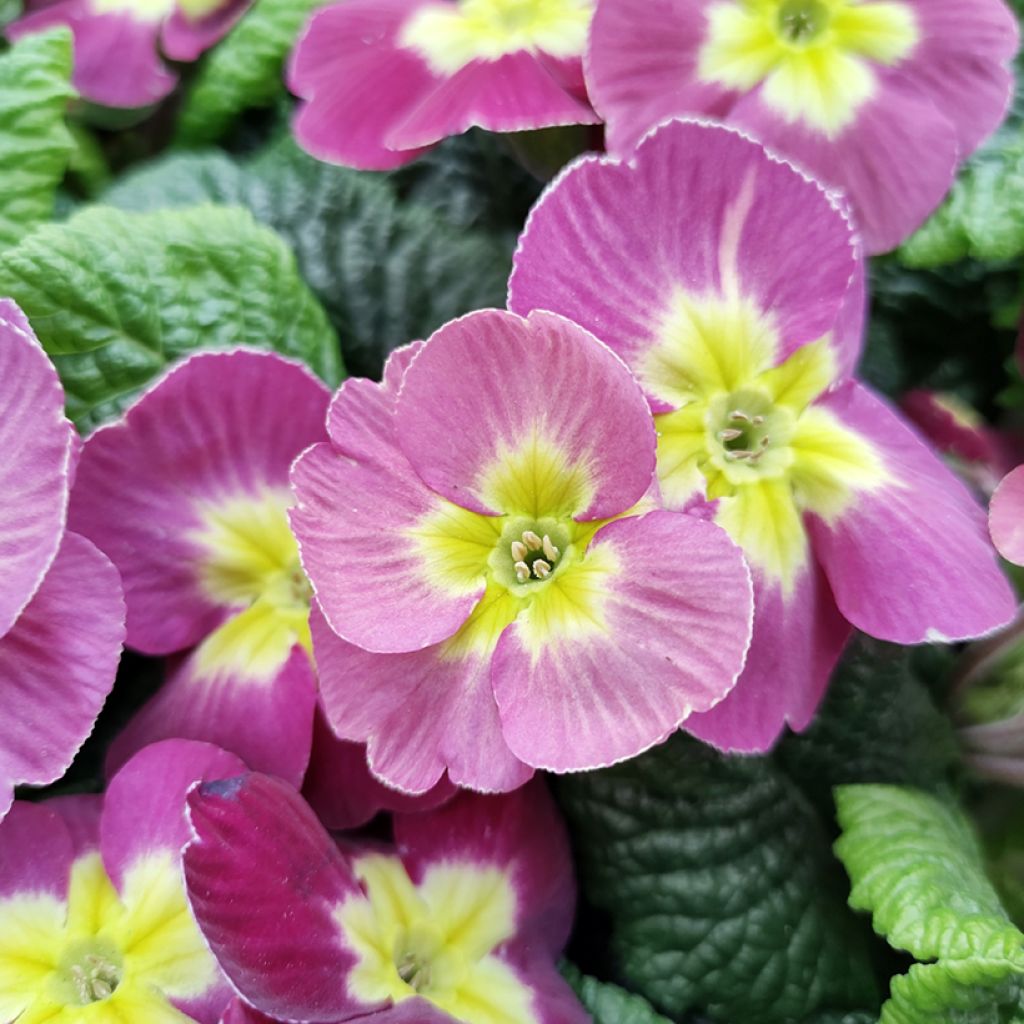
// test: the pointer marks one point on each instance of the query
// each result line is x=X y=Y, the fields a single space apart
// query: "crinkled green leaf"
x=609 y=1004
x=386 y=273
x=115 y=297
x=35 y=144
x=244 y=70
x=917 y=866
x=720 y=886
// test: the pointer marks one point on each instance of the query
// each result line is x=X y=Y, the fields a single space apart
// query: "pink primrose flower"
x=94 y=923
x=383 y=80
x=61 y=608
x=493 y=592
x=880 y=98
x=462 y=919
x=733 y=288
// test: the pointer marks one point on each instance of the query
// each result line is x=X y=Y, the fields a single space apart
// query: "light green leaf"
x=386 y=273
x=609 y=1004
x=35 y=144
x=973 y=991
x=116 y=297
x=720 y=887
x=245 y=70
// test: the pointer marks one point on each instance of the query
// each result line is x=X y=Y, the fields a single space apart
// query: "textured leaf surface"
x=720 y=887
x=609 y=1004
x=386 y=273
x=35 y=144
x=116 y=297
x=244 y=70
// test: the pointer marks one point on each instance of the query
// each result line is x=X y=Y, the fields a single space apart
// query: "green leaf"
x=244 y=70
x=720 y=887
x=916 y=865
x=386 y=273
x=35 y=144
x=116 y=297
x=609 y=1004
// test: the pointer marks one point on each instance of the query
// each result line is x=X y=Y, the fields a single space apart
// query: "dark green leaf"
x=609 y=1004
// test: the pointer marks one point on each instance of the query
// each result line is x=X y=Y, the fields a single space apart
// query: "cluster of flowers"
x=649 y=495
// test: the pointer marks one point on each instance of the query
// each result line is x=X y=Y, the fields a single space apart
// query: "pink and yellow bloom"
x=383 y=80
x=878 y=97
x=462 y=920
x=188 y=494
x=732 y=286
x=61 y=609
x=118 y=42
x=493 y=594
x=94 y=924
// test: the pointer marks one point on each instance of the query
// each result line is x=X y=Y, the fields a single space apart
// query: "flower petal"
x=218 y=429
x=239 y=1012
x=265 y=881
x=357 y=83
x=909 y=560
x=522 y=835
x=796 y=644
x=36 y=851
x=341 y=789
x=36 y=440
x=703 y=247
x=57 y=666
x=1006 y=517
x=421 y=714
x=185 y=39
x=551 y=424
x=653 y=625
x=266 y=721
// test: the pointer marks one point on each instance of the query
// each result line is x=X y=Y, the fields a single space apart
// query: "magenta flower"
x=494 y=597
x=1006 y=517
x=462 y=920
x=94 y=925
x=880 y=98
x=732 y=287
x=61 y=609
x=383 y=80
x=118 y=42
x=187 y=493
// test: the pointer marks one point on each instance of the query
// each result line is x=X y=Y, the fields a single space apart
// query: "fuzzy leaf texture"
x=917 y=867
x=244 y=70
x=386 y=273
x=609 y=1004
x=116 y=297
x=720 y=886
x=35 y=144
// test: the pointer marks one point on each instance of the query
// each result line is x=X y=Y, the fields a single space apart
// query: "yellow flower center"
x=816 y=58
x=89 y=972
x=450 y=36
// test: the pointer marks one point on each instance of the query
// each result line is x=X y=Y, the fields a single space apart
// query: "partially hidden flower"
x=94 y=924
x=188 y=494
x=118 y=43
x=492 y=594
x=61 y=609
x=1006 y=516
x=463 y=919
x=733 y=288
x=383 y=80
x=880 y=98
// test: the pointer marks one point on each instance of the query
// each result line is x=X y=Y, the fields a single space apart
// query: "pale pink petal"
x=910 y=560
x=1006 y=517
x=57 y=665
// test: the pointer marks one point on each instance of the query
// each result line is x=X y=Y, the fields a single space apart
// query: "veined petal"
x=553 y=424
x=345 y=794
x=702 y=307
x=797 y=641
x=1006 y=517
x=394 y=566
x=36 y=440
x=266 y=721
x=201 y=459
x=616 y=652
x=520 y=835
x=424 y=713
x=911 y=560
x=265 y=881
x=57 y=666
